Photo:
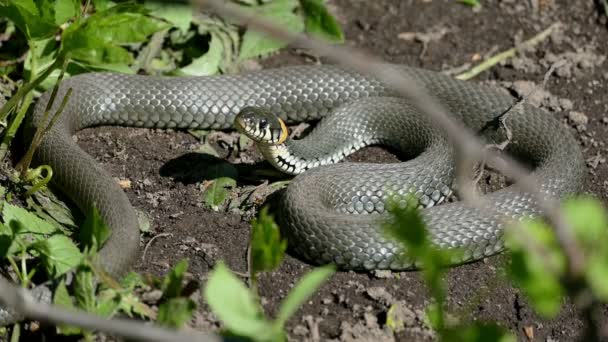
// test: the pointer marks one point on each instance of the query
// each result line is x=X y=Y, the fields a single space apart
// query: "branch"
x=461 y=136
x=22 y=301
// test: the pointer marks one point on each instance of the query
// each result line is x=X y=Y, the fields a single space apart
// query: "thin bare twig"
x=461 y=136
x=22 y=301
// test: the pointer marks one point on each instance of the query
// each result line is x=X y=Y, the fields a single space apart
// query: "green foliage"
x=279 y=12
x=267 y=246
x=96 y=41
x=172 y=283
x=175 y=311
x=94 y=232
x=220 y=184
x=320 y=22
x=472 y=3
x=539 y=266
x=408 y=228
x=238 y=309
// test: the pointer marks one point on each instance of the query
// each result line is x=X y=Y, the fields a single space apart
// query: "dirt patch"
x=353 y=306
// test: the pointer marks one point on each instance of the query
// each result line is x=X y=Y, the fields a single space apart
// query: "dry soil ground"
x=434 y=34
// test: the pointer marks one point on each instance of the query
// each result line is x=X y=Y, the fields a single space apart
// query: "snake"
x=331 y=212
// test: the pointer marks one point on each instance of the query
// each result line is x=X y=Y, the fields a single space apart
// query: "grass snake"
x=330 y=213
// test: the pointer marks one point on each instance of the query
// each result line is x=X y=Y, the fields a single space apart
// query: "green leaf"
x=84 y=290
x=102 y=5
x=320 y=22
x=179 y=15
x=172 y=283
x=24 y=221
x=175 y=312
x=587 y=217
x=108 y=304
x=59 y=254
x=62 y=298
x=28 y=18
x=407 y=226
x=267 y=247
x=131 y=281
x=305 y=288
x=94 y=232
x=537 y=265
x=472 y=3
x=209 y=63
x=66 y=10
x=218 y=191
x=234 y=304
x=96 y=40
x=279 y=12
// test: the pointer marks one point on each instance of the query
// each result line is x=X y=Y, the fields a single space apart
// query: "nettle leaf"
x=84 y=289
x=209 y=63
x=279 y=12
x=176 y=312
x=537 y=264
x=24 y=221
x=320 y=22
x=179 y=15
x=96 y=40
x=94 y=232
x=267 y=247
x=172 y=283
x=29 y=18
x=59 y=254
x=65 y=10
x=234 y=303
x=62 y=298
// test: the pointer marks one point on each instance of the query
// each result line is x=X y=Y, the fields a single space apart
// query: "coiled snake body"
x=329 y=214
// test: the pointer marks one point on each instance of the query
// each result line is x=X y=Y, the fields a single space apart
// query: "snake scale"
x=329 y=213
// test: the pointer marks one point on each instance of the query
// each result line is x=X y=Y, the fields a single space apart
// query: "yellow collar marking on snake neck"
x=284 y=131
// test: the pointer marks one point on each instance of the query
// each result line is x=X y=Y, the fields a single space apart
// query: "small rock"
x=209 y=252
x=579 y=119
x=383 y=274
x=400 y=316
x=300 y=330
x=327 y=301
x=380 y=295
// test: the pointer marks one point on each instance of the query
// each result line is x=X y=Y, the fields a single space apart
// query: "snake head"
x=261 y=126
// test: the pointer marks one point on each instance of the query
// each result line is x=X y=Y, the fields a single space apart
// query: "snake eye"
x=263 y=124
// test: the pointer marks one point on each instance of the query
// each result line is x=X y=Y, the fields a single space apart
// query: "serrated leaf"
x=179 y=15
x=279 y=12
x=209 y=63
x=96 y=40
x=66 y=10
x=62 y=298
x=94 y=232
x=59 y=254
x=84 y=290
x=176 y=312
x=267 y=247
x=25 y=221
x=234 y=303
x=131 y=281
x=305 y=288
x=172 y=283
x=320 y=22
x=27 y=17
x=107 y=305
